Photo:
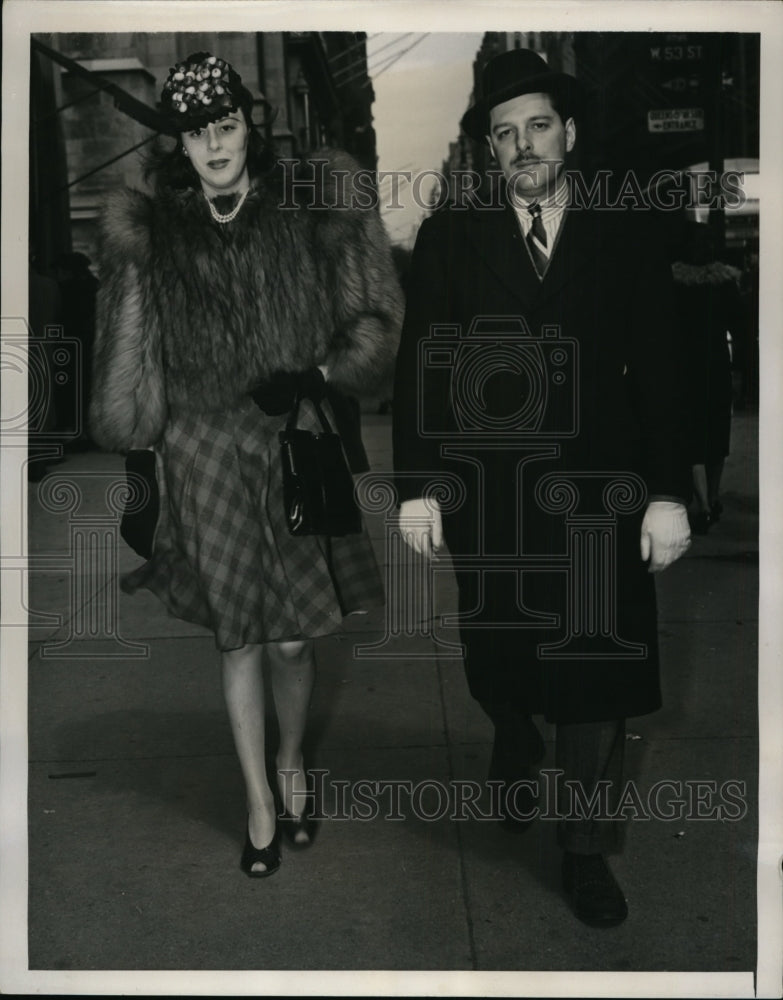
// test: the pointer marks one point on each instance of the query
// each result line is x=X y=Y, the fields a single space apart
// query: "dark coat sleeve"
x=418 y=402
x=657 y=368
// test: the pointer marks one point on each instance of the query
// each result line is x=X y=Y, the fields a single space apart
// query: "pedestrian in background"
x=709 y=312
x=216 y=310
x=748 y=363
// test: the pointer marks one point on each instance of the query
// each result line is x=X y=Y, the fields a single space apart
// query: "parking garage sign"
x=676 y=120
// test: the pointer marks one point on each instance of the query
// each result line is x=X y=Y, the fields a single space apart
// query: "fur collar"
x=219 y=307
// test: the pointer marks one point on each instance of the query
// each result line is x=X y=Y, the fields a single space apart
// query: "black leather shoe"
x=299 y=831
x=595 y=897
x=268 y=856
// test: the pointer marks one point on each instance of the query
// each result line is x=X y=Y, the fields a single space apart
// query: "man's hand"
x=666 y=534
x=421 y=526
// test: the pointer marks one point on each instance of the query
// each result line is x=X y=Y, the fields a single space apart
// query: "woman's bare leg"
x=243 y=688
x=292 y=670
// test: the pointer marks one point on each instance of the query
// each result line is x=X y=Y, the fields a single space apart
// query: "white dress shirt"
x=552 y=210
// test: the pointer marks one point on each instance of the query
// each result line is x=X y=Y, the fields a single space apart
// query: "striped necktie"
x=537 y=235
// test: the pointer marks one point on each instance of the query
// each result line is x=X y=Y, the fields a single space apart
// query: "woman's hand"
x=312 y=384
x=277 y=394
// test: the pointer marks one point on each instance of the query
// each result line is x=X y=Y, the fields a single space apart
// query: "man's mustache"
x=520 y=164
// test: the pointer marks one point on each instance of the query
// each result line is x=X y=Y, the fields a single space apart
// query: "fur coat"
x=193 y=314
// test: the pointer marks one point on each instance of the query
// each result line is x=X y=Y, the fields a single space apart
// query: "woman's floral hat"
x=200 y=89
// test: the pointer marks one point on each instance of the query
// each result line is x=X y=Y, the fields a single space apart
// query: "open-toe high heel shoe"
x=299 y=830
x=268 y=856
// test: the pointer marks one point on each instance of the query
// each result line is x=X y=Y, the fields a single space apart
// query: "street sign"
x=676 y=53
x=680 y=83
x=676 y=120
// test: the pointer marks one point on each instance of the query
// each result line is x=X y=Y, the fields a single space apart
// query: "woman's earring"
x=184 y=152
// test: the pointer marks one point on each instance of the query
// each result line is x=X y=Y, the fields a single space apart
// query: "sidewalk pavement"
x=136 y=814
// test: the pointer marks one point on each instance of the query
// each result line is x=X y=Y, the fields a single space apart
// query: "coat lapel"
x=499 y=242
x=576 y=249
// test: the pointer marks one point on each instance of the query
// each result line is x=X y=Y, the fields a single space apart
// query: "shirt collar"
x=555 y=202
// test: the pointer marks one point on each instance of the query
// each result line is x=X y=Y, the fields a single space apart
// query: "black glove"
x=277 y=394
x=312 y=384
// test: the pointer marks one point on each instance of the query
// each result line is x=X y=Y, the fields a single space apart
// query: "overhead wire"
x=370 y=55
x=375 y=75
x=356 y=45
x=384 y=64
x=388 y=61
x=394 y=41
x=364 y=62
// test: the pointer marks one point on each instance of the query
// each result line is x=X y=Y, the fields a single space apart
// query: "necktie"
x=537 y=235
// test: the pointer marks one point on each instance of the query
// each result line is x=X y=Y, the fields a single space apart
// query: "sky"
x=419 y=100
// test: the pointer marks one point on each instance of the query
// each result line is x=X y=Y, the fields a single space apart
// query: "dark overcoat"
x=553 y=410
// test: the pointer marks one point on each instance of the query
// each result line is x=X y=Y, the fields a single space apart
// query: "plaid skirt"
x=223 y=556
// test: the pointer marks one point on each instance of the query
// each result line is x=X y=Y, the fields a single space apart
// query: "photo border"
x=21 y=18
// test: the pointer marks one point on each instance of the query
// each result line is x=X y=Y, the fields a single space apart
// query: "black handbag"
x=140 y=517
x=318 y=492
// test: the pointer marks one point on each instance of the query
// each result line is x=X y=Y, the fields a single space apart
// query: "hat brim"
x=475 y=121
x=176 y=122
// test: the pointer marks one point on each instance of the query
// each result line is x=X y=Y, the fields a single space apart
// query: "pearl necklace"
x=223 y=219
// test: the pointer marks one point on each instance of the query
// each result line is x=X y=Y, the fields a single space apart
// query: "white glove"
x=666 y=534
x=421 y=526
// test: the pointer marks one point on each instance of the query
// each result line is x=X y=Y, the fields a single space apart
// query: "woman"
x=217 y=307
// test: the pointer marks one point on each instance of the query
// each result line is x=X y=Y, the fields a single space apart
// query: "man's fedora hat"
x=519 y=71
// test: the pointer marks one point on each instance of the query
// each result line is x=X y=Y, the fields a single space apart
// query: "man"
x=538 y=383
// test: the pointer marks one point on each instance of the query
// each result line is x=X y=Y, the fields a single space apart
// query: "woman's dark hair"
x=167 y=167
